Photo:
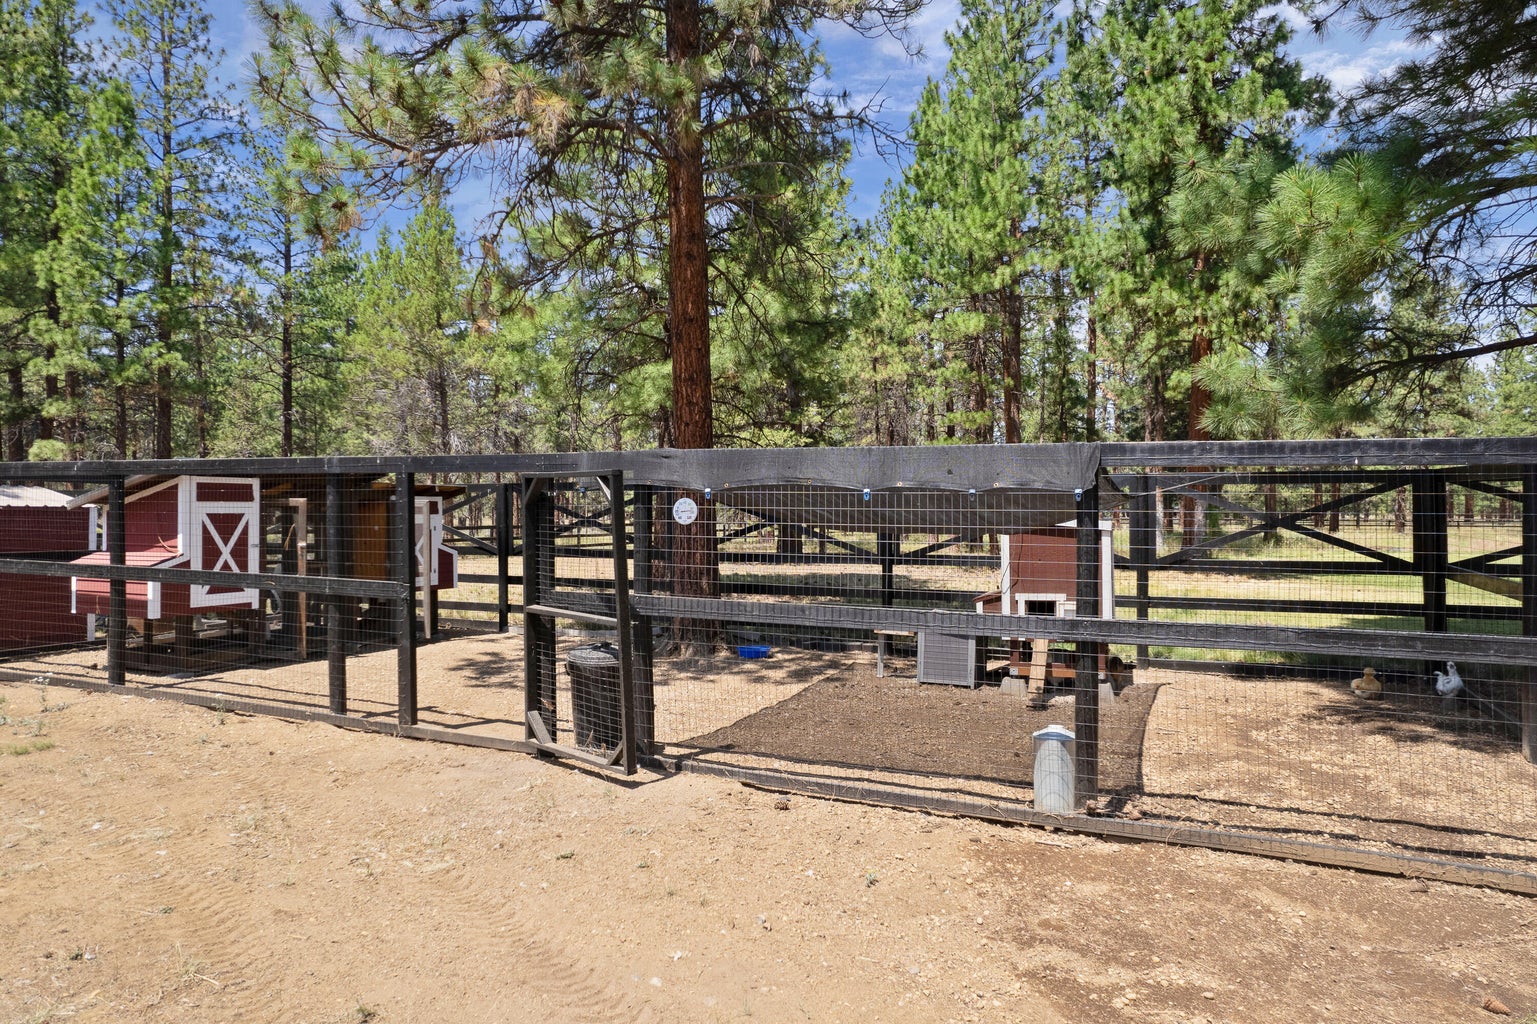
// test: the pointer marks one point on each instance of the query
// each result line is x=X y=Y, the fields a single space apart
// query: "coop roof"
x=31 y=496
x=962 y=487
x=130 y=485
x=272 y=485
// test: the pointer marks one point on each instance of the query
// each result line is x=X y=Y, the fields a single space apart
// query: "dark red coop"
x=184 y=522
x=37 y=523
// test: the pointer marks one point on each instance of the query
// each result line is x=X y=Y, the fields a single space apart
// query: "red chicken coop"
x=211 y=524
x=37 y=523
x=1040 y=577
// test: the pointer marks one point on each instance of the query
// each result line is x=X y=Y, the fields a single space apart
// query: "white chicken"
x=1449 y=683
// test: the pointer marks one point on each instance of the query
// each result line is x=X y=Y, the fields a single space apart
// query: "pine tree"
x=1327 y=257
x=296 y=300
x=613 y=131
x=962 y=218
x=625 y=127
x=1512 y=382
x=1203 y=88
x=412 y=312
x=66 y=131
x=187 y=127
x=1462 y=119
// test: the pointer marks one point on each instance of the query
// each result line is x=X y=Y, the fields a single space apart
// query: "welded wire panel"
x=1431 y=550
x=1271 y=740
x=469 y=669
x=931 y=712
x=1392 y=758
x=570 y=615
x=1203 y=634
x=467 y=534
x=283 y=646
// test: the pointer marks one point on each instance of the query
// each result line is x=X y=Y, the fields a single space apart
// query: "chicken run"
x=1302 y=649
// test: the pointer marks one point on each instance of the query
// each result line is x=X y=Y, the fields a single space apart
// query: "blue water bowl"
x=753 y=651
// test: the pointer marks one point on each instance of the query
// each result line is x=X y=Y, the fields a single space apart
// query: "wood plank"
x=541 y=732
x=1490 y=584
x=1340 y=452
x=1019 y=813
x=284 y=582
x=1040 y=654
x=1477 y=648
x=117 y=614
x=650 y=466
x=1395 y=609
x=554 y=612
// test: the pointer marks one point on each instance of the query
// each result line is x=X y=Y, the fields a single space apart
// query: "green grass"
x=30 y=747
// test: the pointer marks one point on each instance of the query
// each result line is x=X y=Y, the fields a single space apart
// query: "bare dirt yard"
x=160 y=862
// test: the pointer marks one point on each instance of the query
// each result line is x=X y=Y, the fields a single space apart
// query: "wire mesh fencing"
x=1322 y=652
x=1316 y=658
x=282 y=591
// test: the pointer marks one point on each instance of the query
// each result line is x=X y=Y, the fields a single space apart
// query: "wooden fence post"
x=1086 y=675
x=1430 y=553
x=1529 y=607
x=645 y=725
x=887 y=543
x=503 y=553
x=405 y=573
x=538 y=630
x=117 y=590
x=1144 y=547
x=337 y=606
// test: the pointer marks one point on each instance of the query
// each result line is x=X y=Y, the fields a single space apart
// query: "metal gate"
x=602 y=725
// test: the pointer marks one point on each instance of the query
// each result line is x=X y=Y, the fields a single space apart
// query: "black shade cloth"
x=953 y=487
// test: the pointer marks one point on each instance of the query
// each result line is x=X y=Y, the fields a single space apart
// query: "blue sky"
x=880 y=68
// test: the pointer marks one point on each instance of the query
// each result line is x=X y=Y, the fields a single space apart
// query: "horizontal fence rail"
x=321 y=585
x=1362 y=643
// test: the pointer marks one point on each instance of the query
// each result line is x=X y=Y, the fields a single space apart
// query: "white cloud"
x=882 y=68
x=1347 y=69
x=1299 y=23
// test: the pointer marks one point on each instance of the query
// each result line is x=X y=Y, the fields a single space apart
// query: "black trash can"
x=594 y=672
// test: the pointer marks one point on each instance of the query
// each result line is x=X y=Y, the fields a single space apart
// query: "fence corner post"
x=117 y=589
x=336 y=605
x=1086 y=672
x=405 y=625
x=1529 y=607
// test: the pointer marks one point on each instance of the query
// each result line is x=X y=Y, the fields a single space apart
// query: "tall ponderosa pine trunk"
x=696 y=570
x=15 y=428
x=119 y=375
x=981 y=428
x=1013 y=330
x=1091 y=387
x=166 y=278
x=286 y=356
x=1200 y=401
x=53 y=310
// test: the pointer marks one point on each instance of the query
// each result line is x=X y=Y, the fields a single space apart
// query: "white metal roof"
x=31 y=496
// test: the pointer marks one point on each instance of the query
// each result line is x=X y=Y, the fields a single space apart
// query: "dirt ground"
x=1291 y=758
x=160 y=862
